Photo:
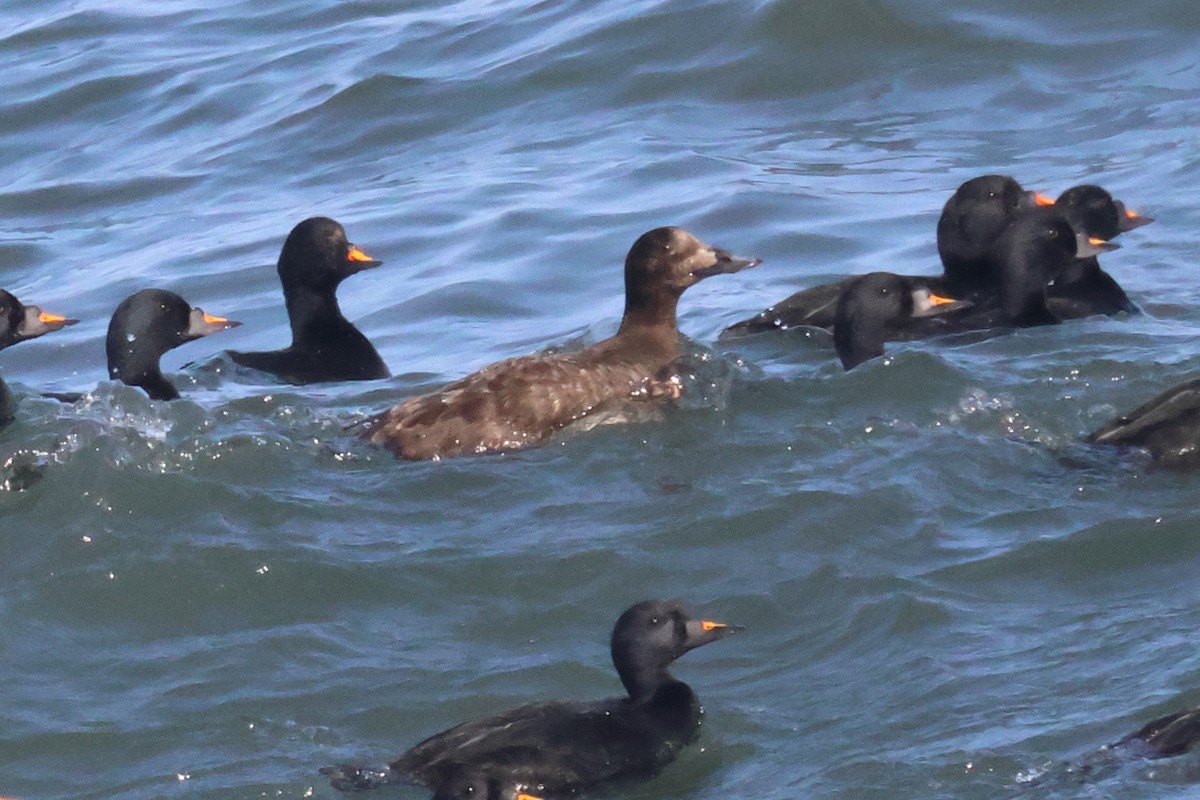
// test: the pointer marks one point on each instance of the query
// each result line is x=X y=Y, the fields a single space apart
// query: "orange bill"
x=49 y=318
x=211 y=320
x=357 y=255
x=938 y=300
x=708 y=625
x=1043 y=200
x=1096 y=241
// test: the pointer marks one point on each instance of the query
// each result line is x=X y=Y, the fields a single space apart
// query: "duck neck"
x=642 y=684
x=651 y=317
x=139 y=370
x=155 y=384
x=1023 y=294
x=674 y=708
x=858 y=339
x=314 y=313
x=6 y=404
x=1078 y=271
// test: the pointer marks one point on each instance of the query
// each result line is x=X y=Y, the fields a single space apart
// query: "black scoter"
x=147 y=324
x=316 y=257
x=873 y=306
x=1170 y=735
x=520 y=402
x=562 y=748
x=1167 y=427
x=972 y=218
x=1036 y=247
x=1084 y=289
x=19 y=323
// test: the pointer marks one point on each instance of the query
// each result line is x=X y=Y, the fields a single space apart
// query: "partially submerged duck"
x=146 y=325
x=1084 y=289
x=521 y=402
x=1037 y=247
x=325 y=347
x=873 y=307
x=20 y=323
x=1031 y=252
x=559 y=748
x=1167 y=427
x=1169 y=735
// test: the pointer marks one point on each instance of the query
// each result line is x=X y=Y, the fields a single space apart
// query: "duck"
x=972 y=219
x=146 y=325
x=521 y=402
x=1035 y=248
x=560 y=748
x=1170 y=735
x=1033 y=251
x=873 y=306
x=1084 y=289
x=20 y=323
x=1167 y=427
x=326 y=347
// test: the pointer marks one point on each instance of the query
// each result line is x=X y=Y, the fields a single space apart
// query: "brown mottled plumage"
x=520 y=402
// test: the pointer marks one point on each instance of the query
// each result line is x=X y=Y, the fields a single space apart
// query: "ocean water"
x=945 y=595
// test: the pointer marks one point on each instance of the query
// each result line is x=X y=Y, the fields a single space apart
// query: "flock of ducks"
x=1011 y=258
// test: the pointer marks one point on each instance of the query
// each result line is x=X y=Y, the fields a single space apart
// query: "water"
x=946 y=596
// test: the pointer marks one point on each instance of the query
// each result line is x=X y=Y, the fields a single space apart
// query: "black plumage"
x=972 y=219
x=19 y=323
x=1084 y=289
x=560 y=748
x=146 y=325
x=315 y=258
x=873 y=307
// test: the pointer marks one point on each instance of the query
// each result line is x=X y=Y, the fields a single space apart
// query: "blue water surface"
x=946 y=595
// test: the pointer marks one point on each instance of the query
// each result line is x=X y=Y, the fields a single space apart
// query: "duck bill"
x=357 y=260
x=928 y=304
x=724 y=262
x=1040 y=199
x=202 y=324
x=1127 y=220
x=702 y=631
x=36 y=322
x=1089 y=246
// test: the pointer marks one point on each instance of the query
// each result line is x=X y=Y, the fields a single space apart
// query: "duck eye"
x=1053 y=233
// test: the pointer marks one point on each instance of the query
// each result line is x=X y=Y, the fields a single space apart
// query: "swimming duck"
x=1036 y=247
x=19 y=323
x=873 y=306
x=521 y=402
x=1169 y=735
x=558 y=748
x=1084 y=289
x=316 y=257
x=1034 y=250
x=1166 y=426
x=146 y=325
x=972 y=218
